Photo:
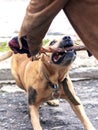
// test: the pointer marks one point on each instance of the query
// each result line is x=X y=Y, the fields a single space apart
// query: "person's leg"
x=83 y=16
x=38 y=17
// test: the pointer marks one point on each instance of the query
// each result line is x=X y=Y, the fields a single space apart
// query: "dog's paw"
x=54 y=102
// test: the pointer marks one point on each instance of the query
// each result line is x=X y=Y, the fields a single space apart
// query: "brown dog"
x=47 y=78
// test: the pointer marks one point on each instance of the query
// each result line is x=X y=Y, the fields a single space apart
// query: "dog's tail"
x=6 y=55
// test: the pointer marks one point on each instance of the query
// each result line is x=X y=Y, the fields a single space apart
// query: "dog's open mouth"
x=63 y=57
x=57 y=56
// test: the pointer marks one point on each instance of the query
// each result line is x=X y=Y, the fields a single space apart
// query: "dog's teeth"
x=56 y=58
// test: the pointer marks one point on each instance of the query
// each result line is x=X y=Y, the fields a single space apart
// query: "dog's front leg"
x=34 y=116
x=78 y=108
x=34 y=104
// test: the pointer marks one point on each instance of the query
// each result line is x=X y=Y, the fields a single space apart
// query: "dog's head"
x=63 y=58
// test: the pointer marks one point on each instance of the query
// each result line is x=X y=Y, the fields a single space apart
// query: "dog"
x=47 y=78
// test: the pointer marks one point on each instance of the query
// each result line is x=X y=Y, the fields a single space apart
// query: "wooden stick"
x=52 y=50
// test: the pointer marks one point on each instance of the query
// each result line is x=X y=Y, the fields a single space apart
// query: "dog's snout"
x=66 y=42
x=67 y=38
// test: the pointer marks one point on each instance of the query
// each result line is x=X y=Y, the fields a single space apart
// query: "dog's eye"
x=52 y=42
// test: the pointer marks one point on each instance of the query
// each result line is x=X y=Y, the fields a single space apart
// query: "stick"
x=52 y=50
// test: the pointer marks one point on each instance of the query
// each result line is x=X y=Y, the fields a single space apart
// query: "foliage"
x=45 y=41
x=3 y=47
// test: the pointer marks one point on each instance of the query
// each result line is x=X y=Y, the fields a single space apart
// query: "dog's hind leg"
x=54 y=102
x=17 y=79
x=78 y=108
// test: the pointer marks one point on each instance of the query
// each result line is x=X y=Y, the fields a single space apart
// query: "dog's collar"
x=55 y=87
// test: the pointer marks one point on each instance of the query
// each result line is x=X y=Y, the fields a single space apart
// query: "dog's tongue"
x=56 y=57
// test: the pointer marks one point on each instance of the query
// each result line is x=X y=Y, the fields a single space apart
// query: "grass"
x=45 y=41
x=4 y=47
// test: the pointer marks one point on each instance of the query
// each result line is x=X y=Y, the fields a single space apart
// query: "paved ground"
x=14 y=111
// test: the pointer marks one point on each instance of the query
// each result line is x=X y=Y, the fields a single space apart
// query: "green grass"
x=3 y=47
x=45 y=41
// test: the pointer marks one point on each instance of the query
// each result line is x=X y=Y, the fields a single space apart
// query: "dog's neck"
x=53 y=72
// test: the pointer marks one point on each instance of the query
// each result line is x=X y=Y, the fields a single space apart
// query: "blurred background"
x=11 y=16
